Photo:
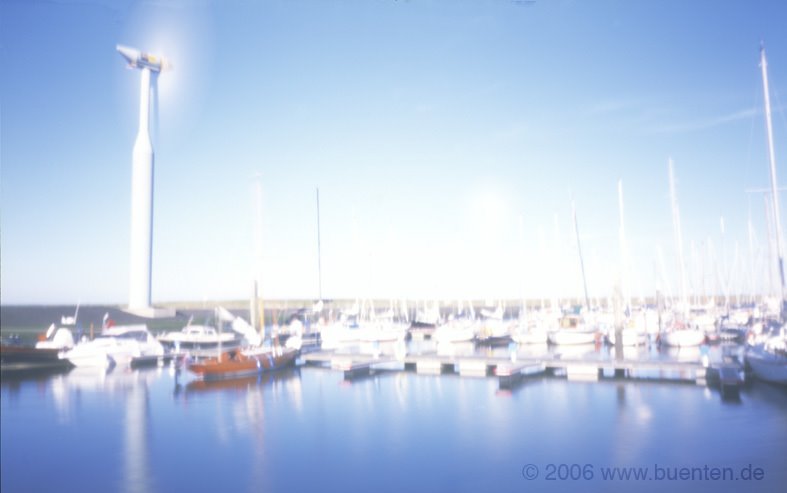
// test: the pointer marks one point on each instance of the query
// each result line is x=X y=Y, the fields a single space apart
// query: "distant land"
x=30 y=319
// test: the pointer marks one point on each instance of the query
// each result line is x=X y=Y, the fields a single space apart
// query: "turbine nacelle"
x=138 y=59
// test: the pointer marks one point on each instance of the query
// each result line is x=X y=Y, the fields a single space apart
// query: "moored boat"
x=47 y=354
x=630 y=336
x=382 y=331
x=243 y=363
x=195 y=338
x=768 y=360
x=532 y=335
x=122 y=345
x=455 y=330
x=683 y=337
x=14 y=357
x=572 y=331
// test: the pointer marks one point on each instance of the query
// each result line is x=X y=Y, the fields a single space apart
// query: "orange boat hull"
x=237 y=364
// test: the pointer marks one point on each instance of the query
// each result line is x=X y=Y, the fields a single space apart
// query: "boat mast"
x=624 y=285
x=772 y=160
x=319 y=254
x=678 y=237
x=751 y=258
x=579 y=249
x=259 y=307
x=557 y=268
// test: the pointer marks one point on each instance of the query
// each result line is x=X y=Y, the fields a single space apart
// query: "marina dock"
x=510 y=371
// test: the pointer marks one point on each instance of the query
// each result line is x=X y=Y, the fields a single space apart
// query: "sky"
x=447 y=139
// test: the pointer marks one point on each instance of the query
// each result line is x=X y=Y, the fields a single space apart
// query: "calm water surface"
x=309 y=430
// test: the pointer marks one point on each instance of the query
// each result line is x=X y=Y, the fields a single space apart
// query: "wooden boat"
x=238 y=364
x=241 y=383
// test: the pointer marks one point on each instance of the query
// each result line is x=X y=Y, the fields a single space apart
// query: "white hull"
x=198 y=337
x=530 y=337
x=629 y=337
x=99 y=360
x=116 y=346
x=494 y=329
x=333 y=336
x=94 y=355
x=382 y=333
x=572 y=337
x=684 y=338
x=61 y=338
x=445 y=334
x=766 y=365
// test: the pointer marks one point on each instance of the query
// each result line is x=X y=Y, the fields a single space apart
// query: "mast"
x=772 y=160
x=319 y=255
x=579 y=249
x=557 y=267
x=771 y=254
x=543 y=250
x=259 y=308
x=678 y=237
x=624 y=287
x=751 y=258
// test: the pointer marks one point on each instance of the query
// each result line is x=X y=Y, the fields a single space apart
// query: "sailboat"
x=680 y=333
x=460 y=327
x=576 y=328
x=768 y=360
x=493 y=328
x=633 y=330
x=240 y=363
x=573 y=330
x=529 y=329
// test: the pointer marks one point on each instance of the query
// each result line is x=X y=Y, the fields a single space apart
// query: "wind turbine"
x=142 y=185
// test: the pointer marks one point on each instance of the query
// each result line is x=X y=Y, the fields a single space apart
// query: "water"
x=309 y=430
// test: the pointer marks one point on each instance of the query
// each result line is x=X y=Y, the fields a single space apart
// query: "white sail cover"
x=240 y=326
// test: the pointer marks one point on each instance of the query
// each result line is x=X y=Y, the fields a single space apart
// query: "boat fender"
x=270 y=360
x=258 y=363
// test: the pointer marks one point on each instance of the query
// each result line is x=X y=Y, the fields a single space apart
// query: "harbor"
x=392 y=246
x=348 y=432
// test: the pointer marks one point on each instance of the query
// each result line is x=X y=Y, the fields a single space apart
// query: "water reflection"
x=138 y=476
x=250 y=384
x=576 y=351
x=72 y=393
x=531 y=350
x=300 y=423
x=689 y=354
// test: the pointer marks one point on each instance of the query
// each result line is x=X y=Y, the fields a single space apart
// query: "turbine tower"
x=142 y=186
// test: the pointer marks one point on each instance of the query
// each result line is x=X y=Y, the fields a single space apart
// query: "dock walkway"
x=509 y=370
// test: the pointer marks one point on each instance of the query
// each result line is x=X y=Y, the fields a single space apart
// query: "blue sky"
x=446 y=137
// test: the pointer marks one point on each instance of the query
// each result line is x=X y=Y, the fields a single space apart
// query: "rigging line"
x=756 y=104
x=780 y=106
